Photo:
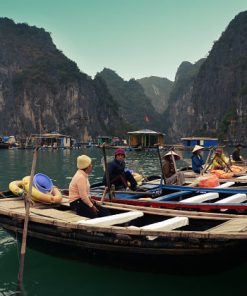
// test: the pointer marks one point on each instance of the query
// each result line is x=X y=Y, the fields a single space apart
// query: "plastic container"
x=42 y=182
x=208 y=182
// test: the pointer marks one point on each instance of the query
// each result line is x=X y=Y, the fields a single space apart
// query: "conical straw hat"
x=197 y=147
x=176 y=156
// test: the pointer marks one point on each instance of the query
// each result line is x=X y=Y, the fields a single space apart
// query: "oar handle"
x=108 y=183
x=208 y=158
x=26 y=219
x=160 y=161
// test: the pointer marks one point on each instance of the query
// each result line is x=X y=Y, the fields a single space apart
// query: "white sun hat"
x=197 y=147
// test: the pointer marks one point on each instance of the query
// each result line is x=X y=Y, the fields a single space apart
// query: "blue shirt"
x=197 y=163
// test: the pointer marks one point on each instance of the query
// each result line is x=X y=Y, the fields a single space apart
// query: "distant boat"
x=4 y=145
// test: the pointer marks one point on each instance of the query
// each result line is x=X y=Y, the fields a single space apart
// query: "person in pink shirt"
x=79 y=191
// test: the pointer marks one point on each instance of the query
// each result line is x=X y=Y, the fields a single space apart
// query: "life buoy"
x=16 y=187
x=54 y=197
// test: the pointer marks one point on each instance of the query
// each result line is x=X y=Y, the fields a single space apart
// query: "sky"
x=135 y=38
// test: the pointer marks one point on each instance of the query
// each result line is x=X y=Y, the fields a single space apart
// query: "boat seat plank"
x=236 y=198
x=168 y=224
x=242 y=177
x=225 y=185
x=171 y=196
x=201 y=198
x=233 y=225
x=112 y=219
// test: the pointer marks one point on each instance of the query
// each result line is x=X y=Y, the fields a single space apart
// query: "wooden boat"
x=153 y=194
x=140 y=234
x=4 y=145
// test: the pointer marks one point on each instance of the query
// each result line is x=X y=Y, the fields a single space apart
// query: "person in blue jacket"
x=197 y=160
x=118 y=175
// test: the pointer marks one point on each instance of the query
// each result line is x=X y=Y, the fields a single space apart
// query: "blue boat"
x=232 y=199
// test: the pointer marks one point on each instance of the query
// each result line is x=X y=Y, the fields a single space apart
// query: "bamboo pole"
x=207 y=160
x=160 y=161
x=26 y=220
x=174 y=163
x=107 y=173
x=104 y=195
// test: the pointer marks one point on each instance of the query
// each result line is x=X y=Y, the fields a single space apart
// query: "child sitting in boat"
x=170 y=171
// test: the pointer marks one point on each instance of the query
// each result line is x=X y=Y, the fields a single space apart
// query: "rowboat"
x=225 y=197
x=136 y=235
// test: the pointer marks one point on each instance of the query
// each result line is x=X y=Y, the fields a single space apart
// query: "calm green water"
x=47 y=275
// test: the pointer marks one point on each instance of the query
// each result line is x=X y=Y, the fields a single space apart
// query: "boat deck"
x=225 y=224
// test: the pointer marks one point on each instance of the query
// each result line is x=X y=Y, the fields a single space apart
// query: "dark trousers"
x=84 y=210
x=121 y=181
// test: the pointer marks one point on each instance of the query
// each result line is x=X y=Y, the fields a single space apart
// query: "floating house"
x=51 y=140
x=145 y=138
x=202 y=141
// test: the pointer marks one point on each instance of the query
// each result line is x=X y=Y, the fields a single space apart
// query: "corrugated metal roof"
x=146 y=131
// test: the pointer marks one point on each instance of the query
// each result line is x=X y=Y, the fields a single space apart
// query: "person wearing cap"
x=79 y=191
x=117 y=174
x=219 y=161
x=170 y=171
x=236 y=153
x=197 y=160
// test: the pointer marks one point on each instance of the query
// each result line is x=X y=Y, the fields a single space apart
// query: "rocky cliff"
x=158 y=89
x=42 y=90
x=214 y=101
x=134 y=105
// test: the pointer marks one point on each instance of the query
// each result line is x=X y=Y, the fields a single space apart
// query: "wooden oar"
x=162 y=173
x=104 y=195
x=174 y=163
x=25 y=227
x=136 y=192
x=128 y=192
x=227 y=165
x=207 y=160
x=107 y=173
x=210 y=163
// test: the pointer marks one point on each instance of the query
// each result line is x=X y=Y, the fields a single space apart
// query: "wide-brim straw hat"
x=176 y=156
x=197 y=147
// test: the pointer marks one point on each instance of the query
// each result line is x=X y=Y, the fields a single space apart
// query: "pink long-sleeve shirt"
x=79 y=187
